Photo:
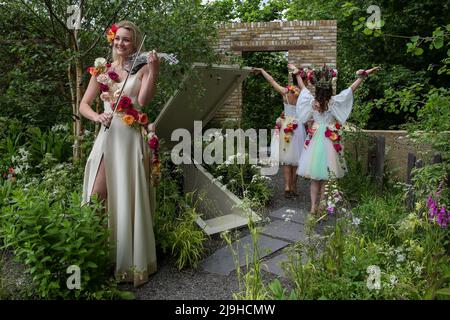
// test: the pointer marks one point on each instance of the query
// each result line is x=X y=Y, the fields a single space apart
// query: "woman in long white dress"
x=118 y=168
x=287 y=141
x=323 y=155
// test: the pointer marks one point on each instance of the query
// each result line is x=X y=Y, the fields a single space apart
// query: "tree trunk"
x=77 y=127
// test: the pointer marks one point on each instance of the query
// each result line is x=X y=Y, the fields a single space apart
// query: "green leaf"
x=443 y=294
x=126 y=295
x=418 y=51
x=438 y=43
x=414 y=39
x=367 y=31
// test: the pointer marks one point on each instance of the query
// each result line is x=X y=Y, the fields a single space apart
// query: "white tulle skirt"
x=286 y=148
x=319 y=160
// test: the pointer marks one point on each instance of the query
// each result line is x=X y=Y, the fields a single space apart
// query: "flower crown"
x=111 y=33
x=293 y=90
x=303 y=72
x=322 y=77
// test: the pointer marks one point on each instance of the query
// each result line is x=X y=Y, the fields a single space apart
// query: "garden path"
x=216 y=278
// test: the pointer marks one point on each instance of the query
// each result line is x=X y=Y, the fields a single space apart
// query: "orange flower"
x=93 y=71
x=128 y=119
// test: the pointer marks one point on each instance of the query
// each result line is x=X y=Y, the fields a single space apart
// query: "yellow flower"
x=333 y=136
x=128 y=119
x=110 y=36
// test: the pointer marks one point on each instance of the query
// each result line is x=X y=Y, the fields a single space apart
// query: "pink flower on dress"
x=143 y=118
x=105 y=96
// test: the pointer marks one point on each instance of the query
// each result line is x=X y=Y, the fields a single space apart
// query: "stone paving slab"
x=293 y=214
x=287 y=231
x=221 y=261
x=273 y=265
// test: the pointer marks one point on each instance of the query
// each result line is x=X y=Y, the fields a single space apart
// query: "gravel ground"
x=169 y=283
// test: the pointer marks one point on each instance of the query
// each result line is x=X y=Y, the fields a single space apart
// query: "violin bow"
x=126 y=79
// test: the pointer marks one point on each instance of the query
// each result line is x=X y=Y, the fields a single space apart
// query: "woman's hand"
x=153 y=62
x=374 y=69
x=257 y=70
x=104 y=118
x=292 y=66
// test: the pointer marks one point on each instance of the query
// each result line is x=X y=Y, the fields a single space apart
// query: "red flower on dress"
x=337 y=147
x=124 y=103
x=307 y=142
x=328 y=133
x=104 y=87
x=153 y=143
x=113 y=76
x=337 y=125
x=132 y=112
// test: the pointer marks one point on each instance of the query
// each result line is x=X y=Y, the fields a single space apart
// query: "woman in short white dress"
x=288 y=139
x=323 y=154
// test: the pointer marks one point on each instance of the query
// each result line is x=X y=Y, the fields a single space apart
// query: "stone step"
x=222 y=262
x=286 y=231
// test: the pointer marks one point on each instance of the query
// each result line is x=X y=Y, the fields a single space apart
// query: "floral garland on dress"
x=332 y=132
x=288 y=129
x=110 y=90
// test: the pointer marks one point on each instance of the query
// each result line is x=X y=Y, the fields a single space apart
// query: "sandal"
x=287 y=194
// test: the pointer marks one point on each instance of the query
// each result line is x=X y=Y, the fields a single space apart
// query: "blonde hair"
x=136 y=36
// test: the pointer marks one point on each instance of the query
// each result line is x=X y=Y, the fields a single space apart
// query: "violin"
x=141 y=60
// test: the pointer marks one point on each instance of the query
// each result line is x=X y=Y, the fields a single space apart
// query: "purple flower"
x=330 y=209
x=442 y=218
x=430 y=201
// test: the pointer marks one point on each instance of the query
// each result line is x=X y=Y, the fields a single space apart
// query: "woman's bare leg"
x=315 y=188
x=99 y=187
x=322 y=191
x=287 y=178
x=294 y=179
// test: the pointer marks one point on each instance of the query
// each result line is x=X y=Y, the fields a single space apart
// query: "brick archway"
x=307 y=42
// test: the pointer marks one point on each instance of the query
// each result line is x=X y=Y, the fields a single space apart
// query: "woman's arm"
x=149 y=77
x=271 y=80
x=86 y=111
x=301 y=85
x=361 y=75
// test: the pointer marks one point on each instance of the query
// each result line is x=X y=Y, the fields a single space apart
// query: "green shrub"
x=49 y=236
x=176 y=230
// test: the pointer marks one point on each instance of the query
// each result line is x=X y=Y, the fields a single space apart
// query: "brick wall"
x=308 y=43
